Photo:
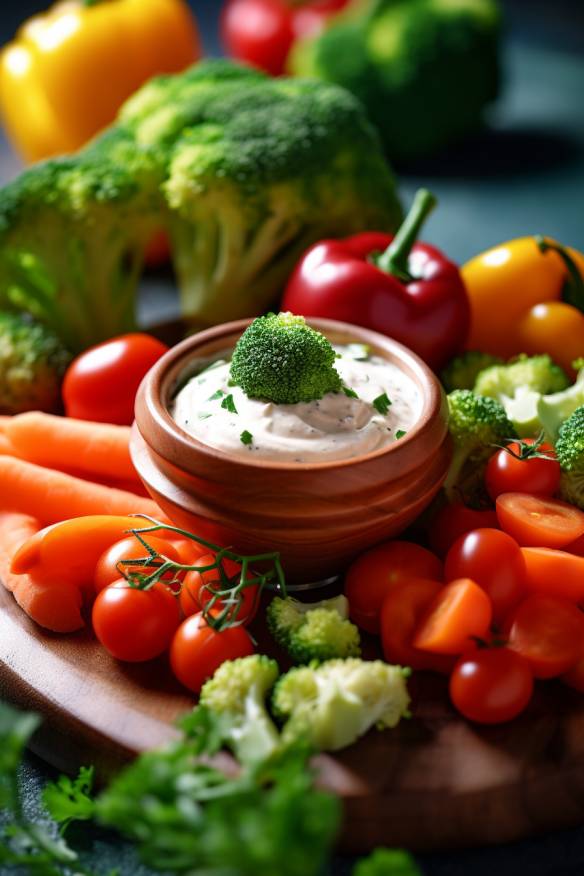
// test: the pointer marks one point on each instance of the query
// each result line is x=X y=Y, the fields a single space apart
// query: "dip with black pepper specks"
x=337 y=426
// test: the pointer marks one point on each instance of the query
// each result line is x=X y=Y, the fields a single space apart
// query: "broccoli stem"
x=395 y=258
x=574 y=285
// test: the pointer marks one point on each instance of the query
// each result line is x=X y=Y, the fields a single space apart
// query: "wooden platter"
x=435 y=782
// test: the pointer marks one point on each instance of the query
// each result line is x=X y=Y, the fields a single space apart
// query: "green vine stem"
x=574 y=287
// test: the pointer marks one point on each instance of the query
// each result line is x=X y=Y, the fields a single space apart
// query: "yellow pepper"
x=69 y=70
x=527 y=296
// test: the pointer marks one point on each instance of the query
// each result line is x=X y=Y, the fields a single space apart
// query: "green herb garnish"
x=229 y=404
x=349 y=392
x=204 y=415
x=400 y=434
x=382 y=403
x=216 y=395
x=246 y=437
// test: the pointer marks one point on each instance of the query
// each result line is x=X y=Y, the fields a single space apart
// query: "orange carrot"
x=52 y=496
x=63 y=443
x=6 y=448
x=15 y=530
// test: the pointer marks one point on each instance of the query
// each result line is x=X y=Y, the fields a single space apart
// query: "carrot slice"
x=460 y=612
x=557 y=573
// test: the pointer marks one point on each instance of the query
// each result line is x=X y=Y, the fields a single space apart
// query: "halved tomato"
x=536 y=521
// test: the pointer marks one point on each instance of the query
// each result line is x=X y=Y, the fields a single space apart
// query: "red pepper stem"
x=395 y=258
x=574 y=294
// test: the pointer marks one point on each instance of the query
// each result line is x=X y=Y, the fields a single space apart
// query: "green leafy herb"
x=246 y=437
x=400 y=434
x=382 y=403
x=386 y=862
x=229 y=404
x=349 y=392
x=204 y=415
x=70 y=799
x=216 y=395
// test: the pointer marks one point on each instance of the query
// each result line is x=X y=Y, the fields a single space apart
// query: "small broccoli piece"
x=462 y=371
x=553 y=410
x=314 y=631
x=424 y=69
x=570 y=453
x=332 y=704
x=477 y=425
x=237 y=694
x=283 y=360
x=387 y=862
x=32 y=364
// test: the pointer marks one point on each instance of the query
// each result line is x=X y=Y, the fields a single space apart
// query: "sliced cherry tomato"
x=196 y=592
x=371 y=577
x=576 y=547
x=455 y=520
x=460 y=612
x=536 y=521
x=548 y=632
x=491 y=685
x=198 y=650
x=494 y=560
x=101 y=383
x=135 y=625
x=557 y=573
x=508 y=472
x=106 y=571
x=403 y=609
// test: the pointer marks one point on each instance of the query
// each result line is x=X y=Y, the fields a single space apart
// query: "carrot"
x=15 y=530
x=62 y=443
x=52 y=496
x=6 y=448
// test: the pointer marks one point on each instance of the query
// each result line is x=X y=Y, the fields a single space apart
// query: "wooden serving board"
x=434 y=782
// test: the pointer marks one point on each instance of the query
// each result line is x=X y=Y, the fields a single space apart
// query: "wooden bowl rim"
x=149 y=402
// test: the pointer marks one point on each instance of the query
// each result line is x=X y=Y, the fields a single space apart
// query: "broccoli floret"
x=424 y=69
x=553 y=410
x=387 y=862
x=281 y=359
x=332 y=704
x=477 y=425
x=462 y=371
x=570 y=453
x=313 y=631
x=32 y=364
x=237 y=695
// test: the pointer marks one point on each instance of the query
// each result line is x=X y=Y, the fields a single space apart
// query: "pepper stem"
x=395 y=258
x=574 y=287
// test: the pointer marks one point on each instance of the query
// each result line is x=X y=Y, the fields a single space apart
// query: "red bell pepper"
x=393 y=285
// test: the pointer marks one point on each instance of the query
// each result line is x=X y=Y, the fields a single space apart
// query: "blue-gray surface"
x=525 y=176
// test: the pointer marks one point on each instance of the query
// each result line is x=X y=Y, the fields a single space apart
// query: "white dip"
x=334 y=427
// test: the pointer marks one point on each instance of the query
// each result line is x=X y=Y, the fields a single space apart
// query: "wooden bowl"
x=318 y=515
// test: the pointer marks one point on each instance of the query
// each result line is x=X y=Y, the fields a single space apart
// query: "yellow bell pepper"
x=527 y=296
x=68 y=71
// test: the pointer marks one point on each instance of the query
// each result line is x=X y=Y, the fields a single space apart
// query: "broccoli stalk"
x=334 y=703
x=570 y=453
x=314 y=631
x=236 y=694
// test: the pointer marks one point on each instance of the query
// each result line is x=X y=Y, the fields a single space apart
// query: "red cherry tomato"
x=135 y=625
x=494 y=560
x=310 y=19
x=460 y=612
x=491 y=685
x=576 y=547
x=197 y=650
x=403 y=609
x=548 y=632
x=371 y=577
x=101 y=384
x=106 y=571
x=195 y=594
x=258 y=32
x=507 y=473
x=455 y=520
x=536 y=521
x=187 y=549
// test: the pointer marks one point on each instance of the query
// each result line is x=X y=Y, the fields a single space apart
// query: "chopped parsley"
x=246 y=437
x=400 y=434
x=349 y=392
x=204 y=415
x=382 y=403
x=216 y=395
x=229 y=404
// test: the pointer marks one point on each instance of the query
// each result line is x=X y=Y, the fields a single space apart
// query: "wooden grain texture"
x=434 y=782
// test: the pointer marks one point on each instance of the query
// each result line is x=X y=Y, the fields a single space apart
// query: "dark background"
x=525 y=175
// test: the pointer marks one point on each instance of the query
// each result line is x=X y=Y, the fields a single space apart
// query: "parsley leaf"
x=216 y=395
x=382 y=403
x=349 y=392
x=246 y=437
x=229 y=404
x=68 y=799
x=400 y=434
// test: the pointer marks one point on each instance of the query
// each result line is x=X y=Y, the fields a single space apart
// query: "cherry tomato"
x=101 y=384
x=460 y=612
x=576 y=547
x=187 y=549
x=491 y=685
x=455 y=520
x=371 y=577
x=548 y=632
x=557 y=573
x=135 y=625
x=403 y=609
x=574 y=677
x=197 y=650
x=106 y=571
x=310 y=19
x=494 y=560
x=537 y=475
x=194 y=594
x=536 y=521
x=553 y=327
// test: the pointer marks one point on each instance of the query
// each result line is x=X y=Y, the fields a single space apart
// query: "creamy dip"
x=337 y=426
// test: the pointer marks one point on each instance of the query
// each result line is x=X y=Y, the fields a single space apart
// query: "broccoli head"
x=236 y=694
x=462 y=371
x=555 y=409
x=570 y=453
x=281 y=359
x=32 y=364
x=424 y=69
x=332 y=704
x=387 y=862
x=314 y=631
x=477 y=426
